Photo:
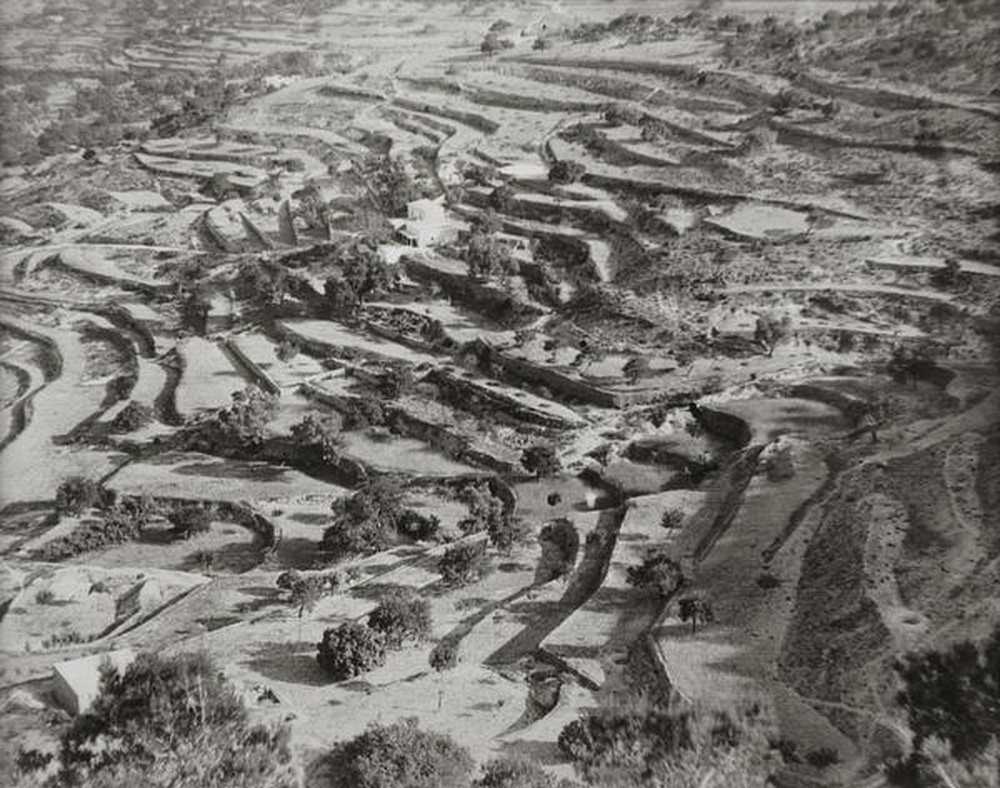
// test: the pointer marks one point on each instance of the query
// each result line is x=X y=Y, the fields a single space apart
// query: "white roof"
x=80 y=674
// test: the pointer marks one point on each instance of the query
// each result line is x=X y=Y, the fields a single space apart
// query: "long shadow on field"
x=583 y=583
x=294 y=663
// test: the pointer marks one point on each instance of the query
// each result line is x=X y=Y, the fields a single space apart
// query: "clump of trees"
x=463 y=564
x=318 y=435
x=541 y=460
x=241 y=426
x=671 y=746
x=659 y=572
x=566 y=171
x=953 y=696
x=363 y=273
x=304 y=591
x=488 y=513
x=350 y=650
x=77 y=494
x=488 y=257
x=364 y=523
x=401 y=617
x=388 y=184
x=400 y=755
x=169 y=721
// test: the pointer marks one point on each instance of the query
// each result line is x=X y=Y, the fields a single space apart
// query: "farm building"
x=426 y=224
x=76 y=682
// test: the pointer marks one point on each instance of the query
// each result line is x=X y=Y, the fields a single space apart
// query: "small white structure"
x=76 y=682
x=426 y=224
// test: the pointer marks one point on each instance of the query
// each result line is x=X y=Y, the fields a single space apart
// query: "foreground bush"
x=400 y=756
x=171 y=721
x=659 y=746
x=401 y=617
x=350 y=650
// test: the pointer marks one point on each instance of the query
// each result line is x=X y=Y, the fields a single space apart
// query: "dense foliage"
x=463 y=564
x=171 y=721
x=400 y=617
x=366 y=521
x=349 y=650
x=658 y=571
x=400 y=755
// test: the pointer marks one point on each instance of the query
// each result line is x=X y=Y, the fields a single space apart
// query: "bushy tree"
x=350 y=650
x=671 y=746
x=696 y=608
x=400 y=755
x=514 y=773
x=78 y=493
x=492 y=43
x=488 y=257
x=320 y=434
x=364 y=412
x=562 y=535
x=657 y=571
x=418 y=526
x=365 y=521
x=501 y=200
x=464 y=563
x=156 y=705
x=954 y=694
x=444 y=656
x=541 y=460
x=191 y=519
x=770 y=330
x=400 y=617
x=565 y=171
x=242 y=425
x=304 y=591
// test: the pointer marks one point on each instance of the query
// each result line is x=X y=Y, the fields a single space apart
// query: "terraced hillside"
x=306 y=306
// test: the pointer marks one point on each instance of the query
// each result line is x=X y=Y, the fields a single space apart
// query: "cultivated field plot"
x=553 y=375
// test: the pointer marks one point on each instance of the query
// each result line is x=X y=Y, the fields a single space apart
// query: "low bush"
x=191 y=519
x=400 y=755
x=444 y=656
x=77 y=494
x=133 y=416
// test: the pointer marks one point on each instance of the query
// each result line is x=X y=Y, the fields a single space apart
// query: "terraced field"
x=633 y=287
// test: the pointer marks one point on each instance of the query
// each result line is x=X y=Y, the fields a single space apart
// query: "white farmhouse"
x=426 y=224
x=76 y=682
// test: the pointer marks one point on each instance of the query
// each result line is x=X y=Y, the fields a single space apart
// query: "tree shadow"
x=298 y=552
x=287 y=662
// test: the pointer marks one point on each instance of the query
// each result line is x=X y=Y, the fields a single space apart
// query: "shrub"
x=954 y=694
x=463 y=564
x=364 y=522
x=565 y=541
x=501 y=200
x=191 y=519
x=156 y=702
x=349 y=650
x=320 y=434
x=444 y=656
x=514 y=773
x=672 y=518
x=45 y=597
x=400 y=755
x=771 y=330
x=364 y=412
x=132 y=417
x=822 y=757
x=542 y=460
x=401 y=617
x=492 y=43
x=242 y=424
x=697 y=609
x=304 y=591
x=657 y=571
x=77 y=494
x=287 y=350
x=418 y=526
x=565 y=171
x=541 y=44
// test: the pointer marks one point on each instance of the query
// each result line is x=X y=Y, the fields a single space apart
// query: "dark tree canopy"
x=350 y=650
x=463 y=564
x=954 y=694
x=401 y=617
x=365 y=522
x=657 y=571
x=565 y=171
x=541 y=460
x=400 y=755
